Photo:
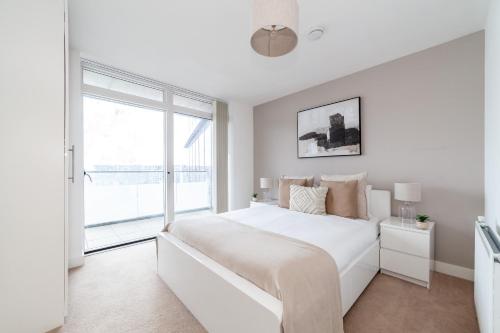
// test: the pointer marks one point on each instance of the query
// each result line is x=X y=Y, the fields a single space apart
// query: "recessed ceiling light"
x=315 y=33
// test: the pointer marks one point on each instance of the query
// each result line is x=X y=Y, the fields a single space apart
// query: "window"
x=192 y=163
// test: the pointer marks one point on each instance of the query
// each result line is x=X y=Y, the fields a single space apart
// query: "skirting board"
x=76 y=262
x=454 y=270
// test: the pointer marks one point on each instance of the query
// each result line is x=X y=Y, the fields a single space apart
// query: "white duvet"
x=344 y=239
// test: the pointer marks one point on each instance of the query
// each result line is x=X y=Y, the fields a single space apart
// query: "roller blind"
x=193 y=103
x=192 y=107
x=111 y=83
x=122 y=86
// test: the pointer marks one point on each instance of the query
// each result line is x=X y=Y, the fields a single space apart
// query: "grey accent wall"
x=422 y=121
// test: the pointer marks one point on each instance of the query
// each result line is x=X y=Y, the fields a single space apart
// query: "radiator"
x=487 y=279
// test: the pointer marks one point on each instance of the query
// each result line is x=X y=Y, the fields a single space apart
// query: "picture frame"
x=329 y=130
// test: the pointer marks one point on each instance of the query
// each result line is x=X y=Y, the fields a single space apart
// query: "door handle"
x=72 y=177
x=85 y=173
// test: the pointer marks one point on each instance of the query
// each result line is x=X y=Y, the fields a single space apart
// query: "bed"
x=225 y=302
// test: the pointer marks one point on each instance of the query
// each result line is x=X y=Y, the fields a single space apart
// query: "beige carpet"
x=119 y=291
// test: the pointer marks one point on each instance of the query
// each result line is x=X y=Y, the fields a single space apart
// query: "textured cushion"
x=342 y=198
x=284 y=190
x=309 y=179
x=309 y=200
x=362 y=201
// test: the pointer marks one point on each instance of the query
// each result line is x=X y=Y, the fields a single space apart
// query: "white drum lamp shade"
x=275 y=27
x=266 y=183
x=409 y=192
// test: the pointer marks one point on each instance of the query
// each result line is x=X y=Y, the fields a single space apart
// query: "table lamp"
x=266 y=184
x=408 y=193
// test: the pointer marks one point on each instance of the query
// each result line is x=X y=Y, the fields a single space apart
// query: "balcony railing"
x=115 y=196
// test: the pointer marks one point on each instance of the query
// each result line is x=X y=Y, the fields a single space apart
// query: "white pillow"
x=309 y=179
x=311 y=200
x=361 y=178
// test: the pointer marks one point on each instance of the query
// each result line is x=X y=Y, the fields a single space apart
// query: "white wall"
x=240 y=149
x=492 y=116
x=32 y=247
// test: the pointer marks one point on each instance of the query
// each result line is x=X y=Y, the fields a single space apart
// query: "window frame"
x=168 y=91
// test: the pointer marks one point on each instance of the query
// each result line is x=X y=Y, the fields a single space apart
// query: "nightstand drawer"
x=404 y=264
x=405 y=241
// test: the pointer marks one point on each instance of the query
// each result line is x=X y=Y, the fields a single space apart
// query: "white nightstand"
x=406 y=251
x=263 y=203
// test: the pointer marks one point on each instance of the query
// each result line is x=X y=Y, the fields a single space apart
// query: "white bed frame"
x=222 y=301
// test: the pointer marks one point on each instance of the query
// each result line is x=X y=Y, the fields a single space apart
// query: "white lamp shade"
x=266 y=183
x=275 y=26
x=407 y=192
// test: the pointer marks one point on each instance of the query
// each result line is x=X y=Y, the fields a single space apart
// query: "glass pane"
x=192 y=164
x=192 y=104
x=111 y=83
x=123 y=157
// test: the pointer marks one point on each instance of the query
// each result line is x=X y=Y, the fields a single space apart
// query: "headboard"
x=379 y=203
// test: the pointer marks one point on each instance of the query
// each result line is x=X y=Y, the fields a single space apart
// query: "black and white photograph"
x=330 y=130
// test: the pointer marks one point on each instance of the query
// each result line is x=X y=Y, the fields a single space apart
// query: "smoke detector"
x=315 y=33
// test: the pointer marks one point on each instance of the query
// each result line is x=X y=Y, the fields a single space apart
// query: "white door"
x=32 y=147
x=124 y=173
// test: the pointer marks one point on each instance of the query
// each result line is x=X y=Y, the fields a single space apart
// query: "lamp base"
x=266 y=195
x=407 y=213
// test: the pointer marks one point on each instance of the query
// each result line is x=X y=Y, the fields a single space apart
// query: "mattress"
x=344 y=239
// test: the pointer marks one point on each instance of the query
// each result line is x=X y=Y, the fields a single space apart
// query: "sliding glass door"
x=147 y=156
x=124 y=194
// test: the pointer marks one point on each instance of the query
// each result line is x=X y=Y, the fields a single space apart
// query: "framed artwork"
x=330 y=130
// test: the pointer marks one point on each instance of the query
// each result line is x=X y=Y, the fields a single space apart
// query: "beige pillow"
x=284 y=190
x=362 y=183
x=309 y=200
x=342 y=198
x=309 y=179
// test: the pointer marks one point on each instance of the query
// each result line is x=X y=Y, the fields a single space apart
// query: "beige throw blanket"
x=301 y=275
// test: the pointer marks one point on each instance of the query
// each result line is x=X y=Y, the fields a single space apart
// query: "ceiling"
x=204 y=45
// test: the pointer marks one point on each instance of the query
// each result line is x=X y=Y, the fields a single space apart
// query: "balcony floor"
x=119 y=233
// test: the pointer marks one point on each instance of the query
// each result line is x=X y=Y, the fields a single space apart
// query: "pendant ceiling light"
x=275 y=26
